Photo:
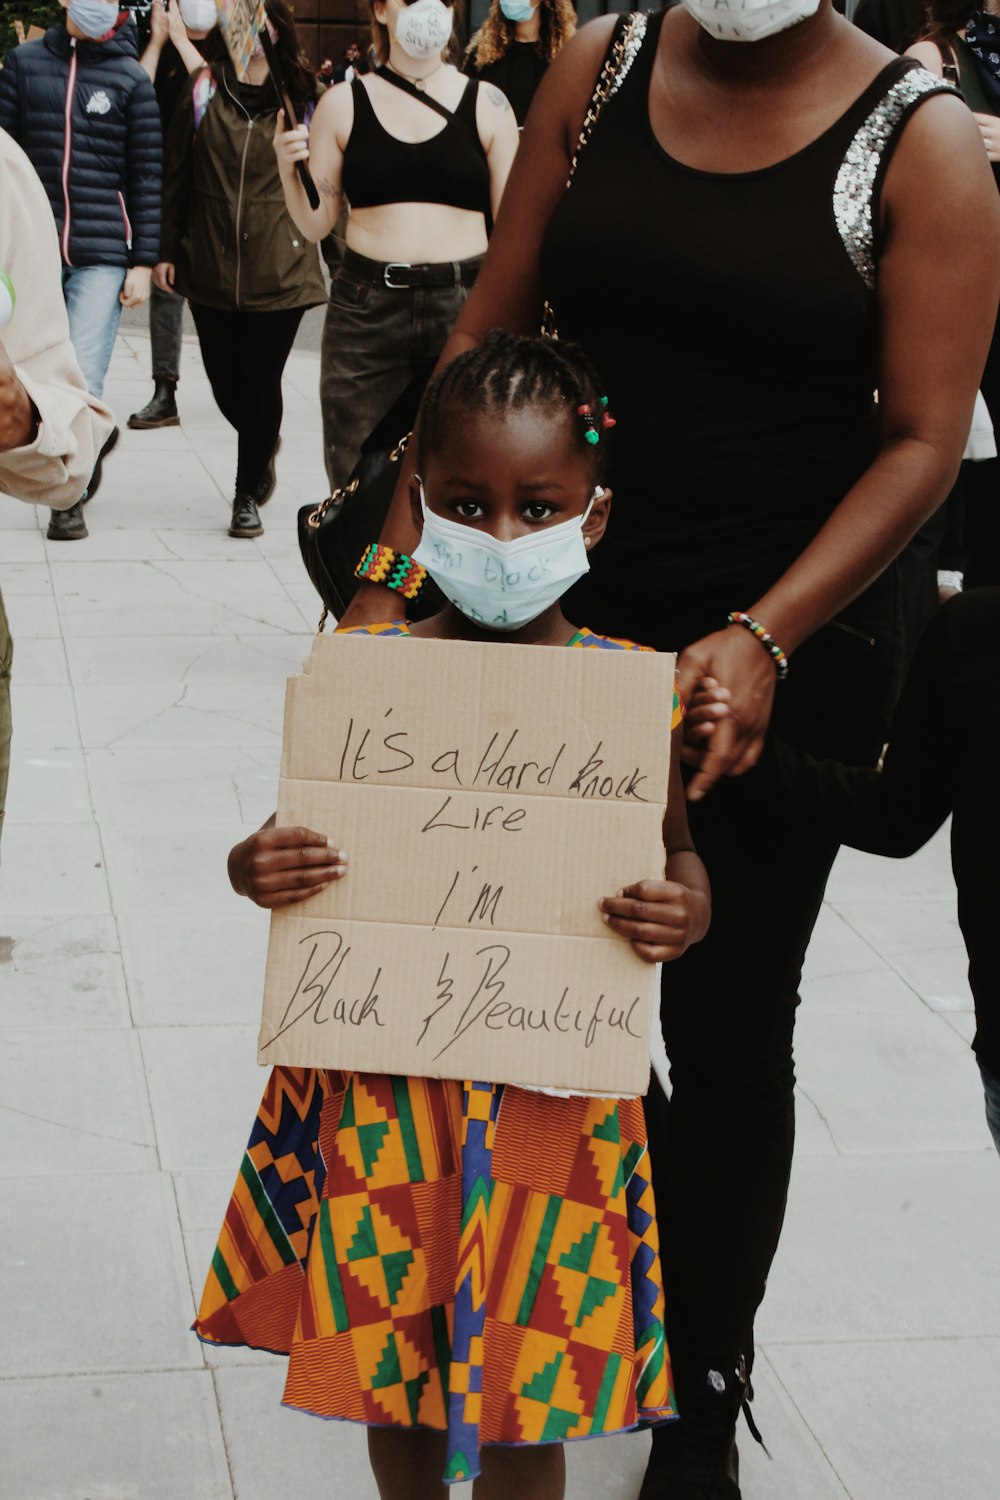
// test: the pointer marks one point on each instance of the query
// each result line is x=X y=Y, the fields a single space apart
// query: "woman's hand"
x=742 y=668
x=136 y=287
x=280 y=866
x=290 y=146
x=163 y=276
x=660 y=918
x=989 y=129
x=159 y=23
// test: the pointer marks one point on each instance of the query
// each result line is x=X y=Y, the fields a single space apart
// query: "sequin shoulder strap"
x=855 y=193
x=625 y=43
x=626 y=39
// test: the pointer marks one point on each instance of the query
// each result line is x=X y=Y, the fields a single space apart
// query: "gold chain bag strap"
x=625 y=43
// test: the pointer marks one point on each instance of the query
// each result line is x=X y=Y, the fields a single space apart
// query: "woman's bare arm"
x=938 y=287
x=322 y=146
x=498 y=133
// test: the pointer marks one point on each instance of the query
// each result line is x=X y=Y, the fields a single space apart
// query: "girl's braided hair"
x=508 y=373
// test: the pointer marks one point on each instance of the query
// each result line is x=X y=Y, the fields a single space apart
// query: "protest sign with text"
x=487 y=799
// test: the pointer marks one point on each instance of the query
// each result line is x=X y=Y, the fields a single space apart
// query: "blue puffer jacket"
x=86 y=115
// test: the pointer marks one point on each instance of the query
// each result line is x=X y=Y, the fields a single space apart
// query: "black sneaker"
x=246 y=521
x=95 y=478
x=161 y=411
x=67 y=525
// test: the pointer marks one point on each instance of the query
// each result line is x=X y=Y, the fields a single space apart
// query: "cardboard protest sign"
x=241 y=22
x=487 y=799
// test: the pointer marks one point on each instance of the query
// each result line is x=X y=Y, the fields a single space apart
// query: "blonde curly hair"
x=491 y=41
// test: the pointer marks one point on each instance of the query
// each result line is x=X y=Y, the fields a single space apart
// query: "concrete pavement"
x=150 y=663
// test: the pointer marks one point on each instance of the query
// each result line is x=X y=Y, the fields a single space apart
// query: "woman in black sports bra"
x=421 y=154
x=746 y=250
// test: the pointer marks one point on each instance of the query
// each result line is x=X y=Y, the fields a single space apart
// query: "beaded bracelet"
x=394 y=570
x=738 y=617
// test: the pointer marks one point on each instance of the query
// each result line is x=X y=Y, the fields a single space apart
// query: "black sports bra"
x=450 y=168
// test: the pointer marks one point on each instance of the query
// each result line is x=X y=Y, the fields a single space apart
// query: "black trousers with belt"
x=721 y=1147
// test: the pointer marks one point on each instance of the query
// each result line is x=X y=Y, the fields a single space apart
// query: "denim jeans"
x=991 y=1089
x=94 y=312
x=166 y=320
x=376 y=340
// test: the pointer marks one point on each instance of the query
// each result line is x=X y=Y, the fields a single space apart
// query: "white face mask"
x=749 y=20
x=424 y=29
x=199 y=15
x=503 y=585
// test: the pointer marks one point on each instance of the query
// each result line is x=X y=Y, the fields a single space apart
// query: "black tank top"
x=732 y=320
x=450 y=168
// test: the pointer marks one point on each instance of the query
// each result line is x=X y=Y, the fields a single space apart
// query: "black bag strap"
x=399 y=82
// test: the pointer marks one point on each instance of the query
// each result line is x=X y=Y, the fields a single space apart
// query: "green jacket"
x=225 y=224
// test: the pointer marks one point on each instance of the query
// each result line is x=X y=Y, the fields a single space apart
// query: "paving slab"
x=113 y=1437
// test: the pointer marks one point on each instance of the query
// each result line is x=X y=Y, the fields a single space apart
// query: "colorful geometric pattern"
x=466 y=1257
x=481 y=1260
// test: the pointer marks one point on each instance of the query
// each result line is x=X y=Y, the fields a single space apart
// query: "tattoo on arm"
x=495 y=96
x=328 y=189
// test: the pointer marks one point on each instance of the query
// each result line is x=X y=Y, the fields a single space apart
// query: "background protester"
x=85 y=113
x=51 y=430
x=515 y=44
x=961 y=43
x=230 y=247
x=756 y=484
x=350 y=67
x=422 y=155
x=180 y=40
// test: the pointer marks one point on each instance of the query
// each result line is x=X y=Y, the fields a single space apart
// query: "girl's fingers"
x=271 y=900
x=283 y=867
x=647 y=932
x=296 y=878
x=658 y=953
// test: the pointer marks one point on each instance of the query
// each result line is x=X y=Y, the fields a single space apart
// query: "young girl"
x=470 y=1270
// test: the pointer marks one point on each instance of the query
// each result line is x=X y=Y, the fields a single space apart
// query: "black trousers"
x=721 y=1148
x=245 y=355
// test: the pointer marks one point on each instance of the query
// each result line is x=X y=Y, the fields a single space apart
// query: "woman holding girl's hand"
x=280 y=866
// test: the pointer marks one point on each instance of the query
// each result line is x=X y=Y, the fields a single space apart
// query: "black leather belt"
x=401 y=276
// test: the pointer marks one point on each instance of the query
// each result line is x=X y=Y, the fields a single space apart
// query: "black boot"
x=161 y=411
x=683 y=1468
x=67 y=525
x=95 y=478
x=246 y=521
x=265 y=488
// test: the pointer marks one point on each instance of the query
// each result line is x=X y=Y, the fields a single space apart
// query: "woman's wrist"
x=764 y=637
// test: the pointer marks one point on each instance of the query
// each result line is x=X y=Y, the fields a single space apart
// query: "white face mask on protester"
x=503 y=585
x=749 y=20
x=424 y=29
x=199 y=15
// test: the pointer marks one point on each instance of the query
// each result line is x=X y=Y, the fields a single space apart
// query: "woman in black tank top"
x=746 y=252
x=422 y=156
